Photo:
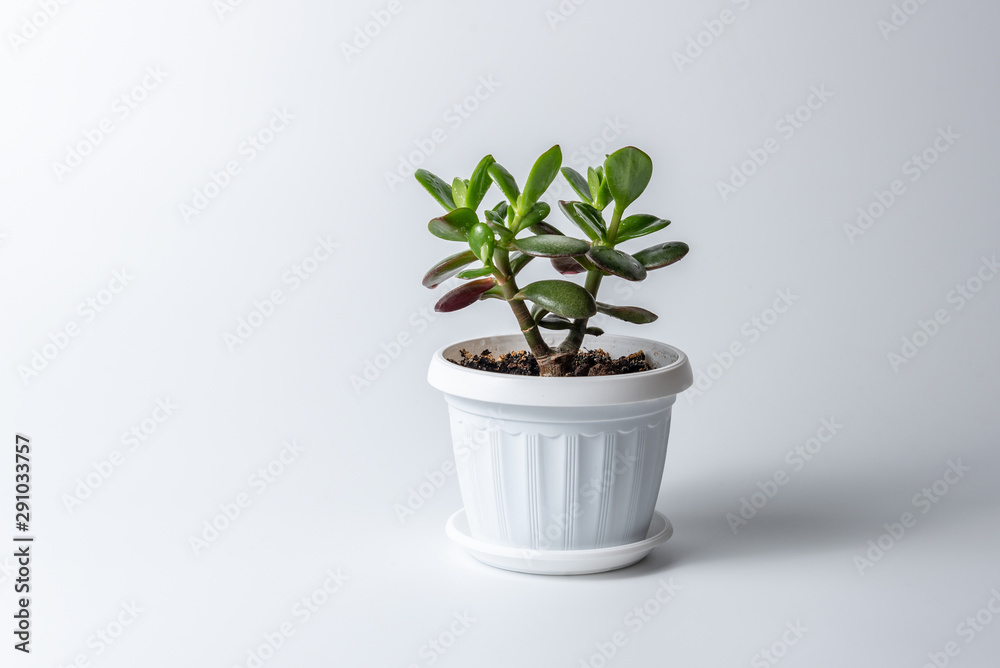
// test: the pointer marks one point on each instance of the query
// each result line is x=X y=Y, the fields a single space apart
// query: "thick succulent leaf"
x=554 y=322
x=476 y=273
x=463 y=295
x=603 y=196
x=501 y=210
x=479 y=183
x=454 y=226
x=594 y=180
x=595 y=331
x=578 y=183
x=518 y=261
x=627 y=172
x=617 y=262
x=496 y=292
x=438 y=189
x=586 y=217
x=505 y=181
x=560 y=297
x=545 y=228
x=567 y=266
x=481 y=242
x=505 y=235
x=541 y=176
x=536 y=215
x=551 y=245
x=447 y=268
x=639 y=225
x=633 y=314
x=458 y=189
x=662 y=255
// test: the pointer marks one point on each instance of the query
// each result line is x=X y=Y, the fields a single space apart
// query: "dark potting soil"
x=587 y=363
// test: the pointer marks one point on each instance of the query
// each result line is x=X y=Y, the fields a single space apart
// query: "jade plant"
x=515 y=231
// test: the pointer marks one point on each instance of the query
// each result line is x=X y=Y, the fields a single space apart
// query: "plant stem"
x=575 y=337
x=529 y=329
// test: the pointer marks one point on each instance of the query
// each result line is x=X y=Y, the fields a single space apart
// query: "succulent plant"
x=508 y=236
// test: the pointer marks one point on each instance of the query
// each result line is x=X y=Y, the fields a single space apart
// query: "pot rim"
x=672 y=376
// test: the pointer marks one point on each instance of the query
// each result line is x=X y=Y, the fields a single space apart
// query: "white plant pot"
x=550 y=464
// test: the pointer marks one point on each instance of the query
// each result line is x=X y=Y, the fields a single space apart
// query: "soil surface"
x=587 y=363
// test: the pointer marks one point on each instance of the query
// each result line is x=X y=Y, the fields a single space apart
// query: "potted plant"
x=559 y=444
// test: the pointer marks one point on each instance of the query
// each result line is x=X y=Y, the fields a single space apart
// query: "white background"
x=364 y=448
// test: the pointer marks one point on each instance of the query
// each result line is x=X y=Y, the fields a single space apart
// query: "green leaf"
x=595 y=331
x=481 y=242
x=617 y=262
x=458 y=189
x=554 y=322
x=479 y=184
x=603 y=196
x=505 y=235
x=517 y=262
x=560 y=297
x=587 y=218
x=633 y=314
x=552 y=245
x=505 y=182
x=438 y=189
x=542 y=174
x=463 y=295
x=545 y=228
x=639 y=225
x=496 y=292
x=662 y=255
x=476 y=273
x=454 y=226
x=594 y=181
x=447 y=268
x=578 y=183
x=627 y=172
x=536 y=215
x=567 y=266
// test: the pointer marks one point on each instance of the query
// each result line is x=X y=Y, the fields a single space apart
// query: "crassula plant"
x=502 y=241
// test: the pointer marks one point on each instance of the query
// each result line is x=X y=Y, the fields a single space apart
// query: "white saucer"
x=558 y=562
